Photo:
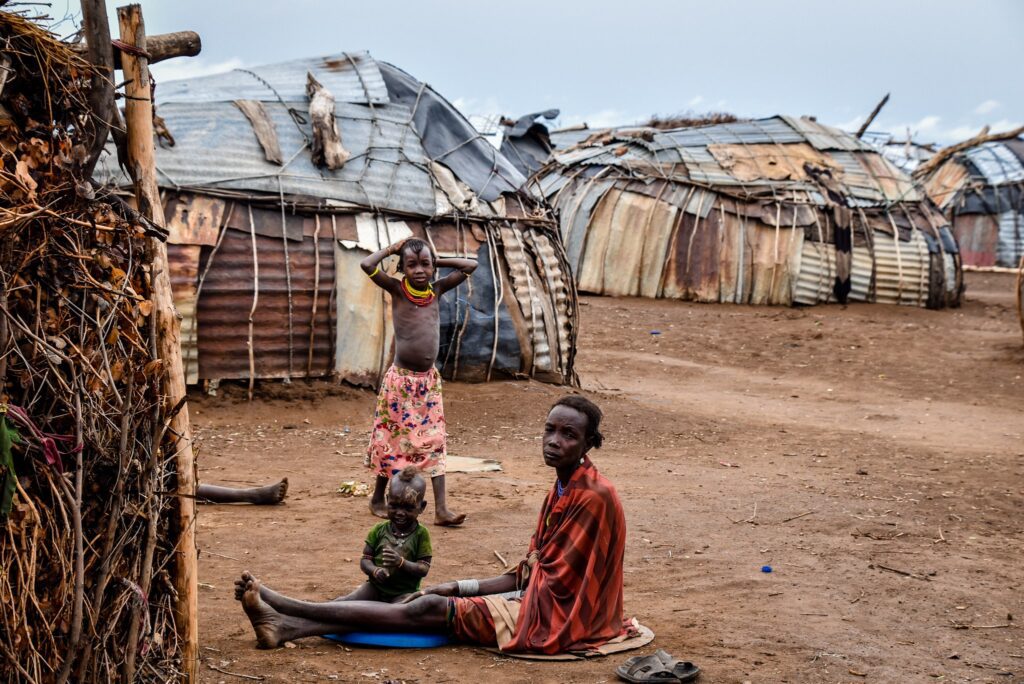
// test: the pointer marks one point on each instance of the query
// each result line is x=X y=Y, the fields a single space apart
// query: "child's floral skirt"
x=408 y=424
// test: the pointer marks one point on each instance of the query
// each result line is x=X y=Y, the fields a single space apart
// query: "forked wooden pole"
x=142 y=165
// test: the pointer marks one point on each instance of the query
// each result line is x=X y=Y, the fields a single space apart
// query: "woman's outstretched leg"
x=296 y=619
x=260 y=496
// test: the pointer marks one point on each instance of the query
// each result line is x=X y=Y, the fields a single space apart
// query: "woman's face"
x=565 y=437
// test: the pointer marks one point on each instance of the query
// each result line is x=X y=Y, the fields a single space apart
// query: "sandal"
x=660 y=667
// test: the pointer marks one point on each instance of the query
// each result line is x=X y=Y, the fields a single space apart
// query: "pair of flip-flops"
x=660 y=667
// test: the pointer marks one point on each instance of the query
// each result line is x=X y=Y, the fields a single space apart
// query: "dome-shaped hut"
x=980 y=187
x=774 y=211
x=269 y=216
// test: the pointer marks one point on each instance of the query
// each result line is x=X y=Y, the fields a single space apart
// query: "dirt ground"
x=871 y=455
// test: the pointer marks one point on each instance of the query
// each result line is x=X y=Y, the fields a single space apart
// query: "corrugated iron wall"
x=516 y=316
x=670 y=240
x=288 y=340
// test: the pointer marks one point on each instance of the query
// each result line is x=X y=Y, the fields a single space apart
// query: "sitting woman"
x=565 y=596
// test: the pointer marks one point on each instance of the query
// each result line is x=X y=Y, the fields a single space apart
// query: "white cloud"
x=695 y=101
x=958 y=133
x=852 y=125
x=1005 y=125
x=926 y=125
x=192 y=67
x=986 y=107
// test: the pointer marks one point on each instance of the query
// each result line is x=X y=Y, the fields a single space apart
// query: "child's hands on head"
x=396 y=247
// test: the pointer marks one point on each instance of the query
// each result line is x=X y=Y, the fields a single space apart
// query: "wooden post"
x=159 y=47
x=101 y=93
x=142 y=166
x=871 y=117
x=1020 y=293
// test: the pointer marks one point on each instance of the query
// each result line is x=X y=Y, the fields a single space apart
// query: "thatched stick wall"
x=85 y=517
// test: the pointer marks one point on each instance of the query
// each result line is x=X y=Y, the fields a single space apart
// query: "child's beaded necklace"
x=418 y=297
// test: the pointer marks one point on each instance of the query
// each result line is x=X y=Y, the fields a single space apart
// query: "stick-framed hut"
x=781 y=210
x=981 y=190
x=265 y=243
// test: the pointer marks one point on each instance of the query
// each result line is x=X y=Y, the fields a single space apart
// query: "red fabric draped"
x=573 y=598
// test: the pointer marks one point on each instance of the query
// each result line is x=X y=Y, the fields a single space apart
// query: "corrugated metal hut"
x=981 y=190
x=774 y=211
x=265 y=244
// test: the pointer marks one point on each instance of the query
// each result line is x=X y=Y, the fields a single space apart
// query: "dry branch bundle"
x=86 y=528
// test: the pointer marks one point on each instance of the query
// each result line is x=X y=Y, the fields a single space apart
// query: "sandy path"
x=913 y=462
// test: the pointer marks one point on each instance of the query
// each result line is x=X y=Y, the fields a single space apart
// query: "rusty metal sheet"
x=590 y=272
x=338 y=226
x=662 y=218
x=978 y=237
x=824 y=137
x=280 y=350
x=894 y=184
x=193 y=219
x=183 y=263
x=736 y=259
x=768 y=162
x=771 y=263
x=271 y=223
x=364 y=331
x=945 y=183
x=449 y=238
x=622 y=258
x=694 y=259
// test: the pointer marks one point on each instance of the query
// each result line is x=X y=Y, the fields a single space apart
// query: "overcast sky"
x=951 y=66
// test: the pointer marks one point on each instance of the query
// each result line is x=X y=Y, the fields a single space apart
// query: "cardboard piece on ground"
x=617 y=645
x=468 y=464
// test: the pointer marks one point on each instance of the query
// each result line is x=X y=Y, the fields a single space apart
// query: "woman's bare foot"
x=446 y=518
x=379 y=508
x=240 y=584
x=266 y=621
x=271 y=494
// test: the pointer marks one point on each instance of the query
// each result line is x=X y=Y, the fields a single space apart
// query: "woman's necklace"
x=418 y=297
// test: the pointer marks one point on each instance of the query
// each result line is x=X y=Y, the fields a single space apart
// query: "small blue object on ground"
x=766 y=568
x=391 y=639
x=655 y=332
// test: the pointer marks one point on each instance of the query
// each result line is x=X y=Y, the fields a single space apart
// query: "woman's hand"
x=390 y=558
x=445 y=589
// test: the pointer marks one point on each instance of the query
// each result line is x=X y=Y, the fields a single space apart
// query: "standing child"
x=408 y=425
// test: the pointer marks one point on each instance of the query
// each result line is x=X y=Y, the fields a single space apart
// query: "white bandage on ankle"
x=469 y=587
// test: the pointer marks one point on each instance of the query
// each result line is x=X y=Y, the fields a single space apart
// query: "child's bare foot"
x=271 y=494
x=266 y=621
x=445 y=518
x=379 y=508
